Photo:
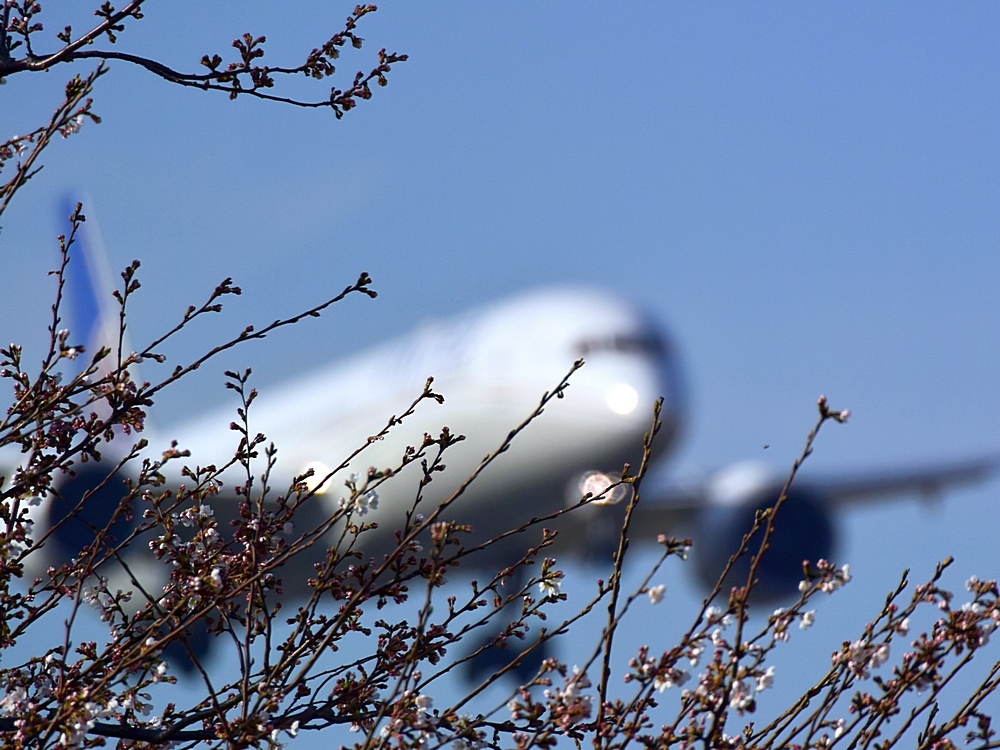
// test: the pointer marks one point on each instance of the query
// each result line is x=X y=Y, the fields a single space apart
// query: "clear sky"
x=806 y=195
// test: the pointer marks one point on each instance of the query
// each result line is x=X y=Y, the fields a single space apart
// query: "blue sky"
x=805 y=195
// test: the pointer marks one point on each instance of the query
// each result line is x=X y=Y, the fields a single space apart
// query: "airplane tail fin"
x=93 y=311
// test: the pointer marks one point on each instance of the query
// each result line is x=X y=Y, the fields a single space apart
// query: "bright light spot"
x=623 y=399
x=320 y=472
x=596 y=483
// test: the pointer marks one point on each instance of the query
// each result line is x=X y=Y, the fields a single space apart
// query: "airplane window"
x=642 y=343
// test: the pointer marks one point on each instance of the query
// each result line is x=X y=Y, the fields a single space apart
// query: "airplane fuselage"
x=492 y=366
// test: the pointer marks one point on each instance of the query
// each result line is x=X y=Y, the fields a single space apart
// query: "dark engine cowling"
x=74 y=526
x=803 y=530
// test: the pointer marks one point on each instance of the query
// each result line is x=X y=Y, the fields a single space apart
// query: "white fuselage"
x=492 y=366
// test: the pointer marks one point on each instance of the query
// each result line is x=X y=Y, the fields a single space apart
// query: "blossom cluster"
x=359 y=504
x=222 y=577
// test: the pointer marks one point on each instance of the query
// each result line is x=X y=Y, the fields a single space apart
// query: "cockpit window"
x=643 y=343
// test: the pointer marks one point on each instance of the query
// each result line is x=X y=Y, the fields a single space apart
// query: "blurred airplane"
x=493 y=365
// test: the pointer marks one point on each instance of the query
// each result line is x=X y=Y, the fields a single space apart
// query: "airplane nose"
x=670 y=382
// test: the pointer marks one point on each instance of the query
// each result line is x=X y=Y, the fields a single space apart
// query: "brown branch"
x=65 y=121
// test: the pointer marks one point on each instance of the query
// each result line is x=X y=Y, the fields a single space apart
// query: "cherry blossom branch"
x=65 y=121
x=245 y=76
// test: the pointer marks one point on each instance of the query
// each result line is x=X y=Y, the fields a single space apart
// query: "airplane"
x=493 y=365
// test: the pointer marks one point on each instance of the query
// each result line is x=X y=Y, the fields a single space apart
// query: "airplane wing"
x=665 y=507
x=719 y=511
x=928 y=481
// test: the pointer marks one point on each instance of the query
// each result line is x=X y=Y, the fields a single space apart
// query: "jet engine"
x=803 y=529
x=70 y=525
x=65 y=526
x=72 y=531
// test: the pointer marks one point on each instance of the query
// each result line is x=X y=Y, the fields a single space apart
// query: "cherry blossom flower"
x=549 y=587
x=656 y=593
x=672 y=678
x=740 y=697
x=694 y=654
x=765 y=680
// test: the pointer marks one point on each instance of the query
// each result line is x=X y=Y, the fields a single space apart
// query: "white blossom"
x=514 y=709
x=360 y=504
x=839 y=728
x=549 y=586
x=577 y=681
x=765 y=680
x=75 y=734
x=881 y=656
x=808 y=618
x=695 y=654
x=92 y=596
x=656 y=593
x=860 y=656
x=975 y=608
x=71 y=127
x=986 y=628
x=160 y=671
x=739 y=696
x=43 y=687
x=12 y=698
x=673 y=678
x=839 y=578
